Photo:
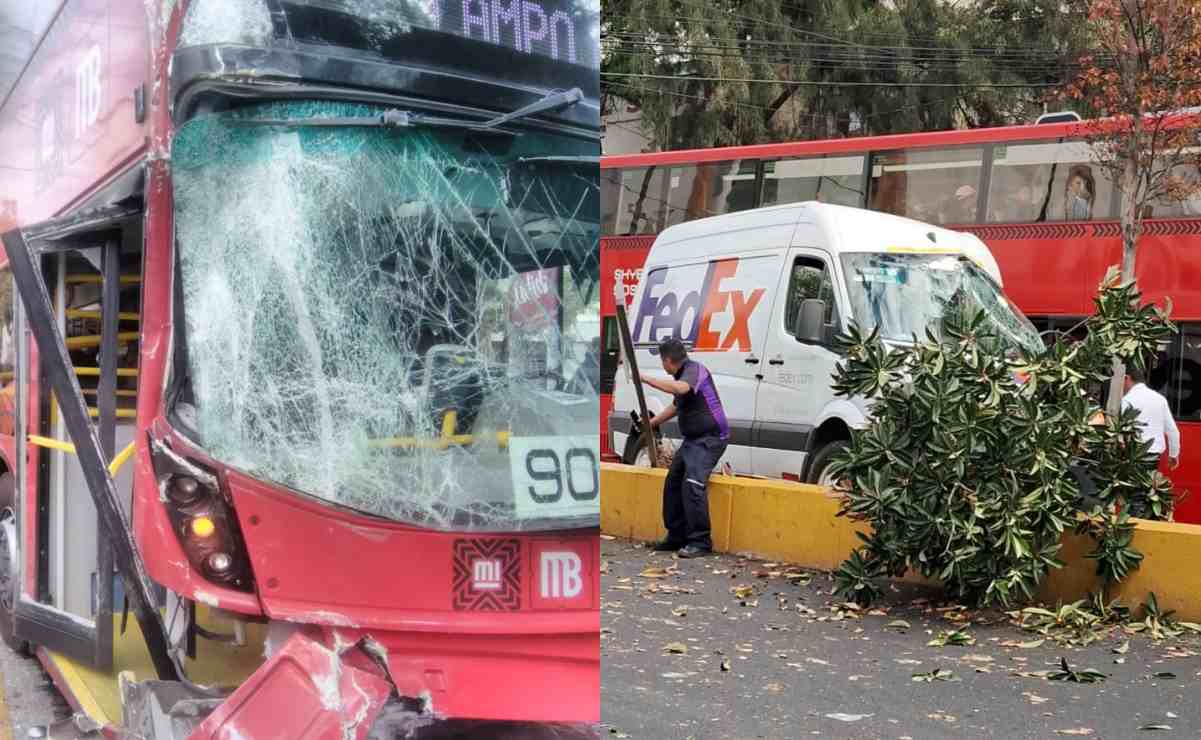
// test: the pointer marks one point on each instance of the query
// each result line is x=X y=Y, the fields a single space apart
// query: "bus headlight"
x=202 y=518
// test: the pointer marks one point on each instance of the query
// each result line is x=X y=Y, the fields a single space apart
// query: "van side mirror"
x=811 y=321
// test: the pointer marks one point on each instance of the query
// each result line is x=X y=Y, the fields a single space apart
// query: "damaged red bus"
x=298 y=304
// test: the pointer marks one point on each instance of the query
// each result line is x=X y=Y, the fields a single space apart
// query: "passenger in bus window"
x=1079 y=194
x=1017 y=205
x=961 y=209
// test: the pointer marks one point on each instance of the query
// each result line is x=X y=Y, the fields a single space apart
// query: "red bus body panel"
x=327 y=696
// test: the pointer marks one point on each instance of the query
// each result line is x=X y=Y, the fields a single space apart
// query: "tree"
x=832 y=68
x=1140 y=82
x=966 y=472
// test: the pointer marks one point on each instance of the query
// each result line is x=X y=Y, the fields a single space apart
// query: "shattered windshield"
x=903 y=294
x=403 y=322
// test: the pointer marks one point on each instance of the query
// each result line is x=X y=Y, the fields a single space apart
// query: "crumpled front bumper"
x=341 y=684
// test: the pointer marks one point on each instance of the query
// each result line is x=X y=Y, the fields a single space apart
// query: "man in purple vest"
x=706 y=433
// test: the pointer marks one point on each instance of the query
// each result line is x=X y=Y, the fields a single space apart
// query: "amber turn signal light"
x=202 y=526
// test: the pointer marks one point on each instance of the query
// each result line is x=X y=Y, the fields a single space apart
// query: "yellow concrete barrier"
x=796 y=523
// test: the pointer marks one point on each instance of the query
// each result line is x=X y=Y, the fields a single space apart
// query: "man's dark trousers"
x=686 y=492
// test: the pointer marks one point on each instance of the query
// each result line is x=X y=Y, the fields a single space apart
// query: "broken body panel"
x=388 y=525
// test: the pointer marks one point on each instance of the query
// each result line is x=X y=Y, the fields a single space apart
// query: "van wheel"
x=9 y=559
x=819 y=470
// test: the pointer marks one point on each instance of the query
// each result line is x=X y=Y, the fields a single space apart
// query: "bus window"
x=610 y=184
x=837 y=180
x=937 y=186
x=1047 y=182
x=709 y=189
x=640 y=200
x=1178 y=374
x=1184 y=200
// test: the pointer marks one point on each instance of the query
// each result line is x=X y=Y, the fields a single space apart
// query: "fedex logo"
x=715 y=317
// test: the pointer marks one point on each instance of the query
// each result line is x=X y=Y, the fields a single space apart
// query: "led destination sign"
x=563 y=31
x=566 y=31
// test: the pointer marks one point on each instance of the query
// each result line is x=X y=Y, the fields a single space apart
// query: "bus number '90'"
x=543 y=465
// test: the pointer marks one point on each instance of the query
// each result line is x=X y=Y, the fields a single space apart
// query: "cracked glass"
x=401 y=321
x=903 y=295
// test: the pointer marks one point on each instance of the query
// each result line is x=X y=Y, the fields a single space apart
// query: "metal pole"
x=627 y=347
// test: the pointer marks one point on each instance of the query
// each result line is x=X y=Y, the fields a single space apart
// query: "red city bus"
x=298 y=298
x=1030 y=192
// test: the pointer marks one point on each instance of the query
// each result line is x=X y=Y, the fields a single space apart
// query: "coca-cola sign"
x=534 y=299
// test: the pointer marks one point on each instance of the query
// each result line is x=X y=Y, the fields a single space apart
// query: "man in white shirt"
x=1154 y=415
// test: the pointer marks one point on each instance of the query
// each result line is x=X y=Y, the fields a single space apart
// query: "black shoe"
x=692 y=551
x=666 y=546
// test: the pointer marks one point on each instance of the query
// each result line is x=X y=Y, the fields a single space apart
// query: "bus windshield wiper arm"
x=396 y=118
x=567 y=160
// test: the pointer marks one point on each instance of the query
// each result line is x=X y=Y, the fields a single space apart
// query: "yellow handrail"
x=77 y=313
x=447 y=439
x=92 y=372
x=121 y=413
x=93 y=340
x=96 y=279
x=57 y=444
x=52 y=443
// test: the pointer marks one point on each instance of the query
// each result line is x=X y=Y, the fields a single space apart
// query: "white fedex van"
x=758 y=296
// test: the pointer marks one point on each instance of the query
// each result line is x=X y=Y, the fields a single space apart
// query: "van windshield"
x=904 y=294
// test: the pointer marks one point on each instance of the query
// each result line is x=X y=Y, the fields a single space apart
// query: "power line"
x=828 y=83
x=827 y=63
x=729 y=42
x=720 y=43
x=844 y=43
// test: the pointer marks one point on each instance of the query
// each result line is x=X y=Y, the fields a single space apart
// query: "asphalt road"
x=30 y=700
x=684 y=656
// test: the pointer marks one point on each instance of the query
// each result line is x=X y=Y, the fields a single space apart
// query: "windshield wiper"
x=567 y=160
x=396 y=118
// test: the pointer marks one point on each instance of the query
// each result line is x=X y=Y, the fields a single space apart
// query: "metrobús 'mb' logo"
x=487 y=575
x=712 y=318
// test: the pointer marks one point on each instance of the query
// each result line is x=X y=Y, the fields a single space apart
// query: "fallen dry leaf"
x=842 y=717
x=656 y=573
x=742 y=592
x=677 y=648
x=1075 y=731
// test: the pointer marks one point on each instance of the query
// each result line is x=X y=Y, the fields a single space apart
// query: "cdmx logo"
x=690 y=318
x=487 y=575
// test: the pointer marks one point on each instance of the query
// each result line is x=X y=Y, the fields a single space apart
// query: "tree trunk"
x=1130 y=222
